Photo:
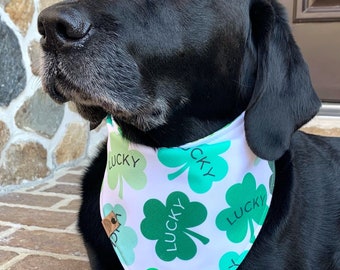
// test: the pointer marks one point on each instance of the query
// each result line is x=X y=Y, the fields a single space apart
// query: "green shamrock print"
x=168 y=224
x=247 y=203
x=109 y=120
x=124 y=239
x=232 y=260
x=125 y=164
x=204 y=163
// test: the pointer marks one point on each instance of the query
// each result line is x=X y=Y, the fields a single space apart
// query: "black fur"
x=174 y=71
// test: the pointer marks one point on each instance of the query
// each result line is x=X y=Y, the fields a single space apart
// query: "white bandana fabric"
x=198 y=206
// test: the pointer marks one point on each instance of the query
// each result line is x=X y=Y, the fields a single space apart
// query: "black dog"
x=171 y=72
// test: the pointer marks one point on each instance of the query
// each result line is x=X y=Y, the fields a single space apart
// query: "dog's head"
x=157 y=64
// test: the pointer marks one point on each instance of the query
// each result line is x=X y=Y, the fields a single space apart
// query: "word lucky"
x=123 y=160
x=248 y=207
x=172 y=225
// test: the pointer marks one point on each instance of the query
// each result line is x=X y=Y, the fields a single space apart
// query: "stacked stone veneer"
x=37 y=136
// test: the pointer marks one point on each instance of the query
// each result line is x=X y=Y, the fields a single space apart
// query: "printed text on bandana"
x=237 y=219
x=169 y=224
x=204 y=163
x=124 y=164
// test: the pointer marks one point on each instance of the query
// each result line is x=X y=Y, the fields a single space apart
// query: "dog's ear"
x=283 y=98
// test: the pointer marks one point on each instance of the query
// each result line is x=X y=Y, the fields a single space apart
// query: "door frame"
x=304 y=11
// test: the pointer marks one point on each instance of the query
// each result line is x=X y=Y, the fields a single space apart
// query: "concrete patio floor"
x=38 y=226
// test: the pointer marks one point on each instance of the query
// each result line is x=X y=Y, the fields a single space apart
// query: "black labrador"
x=159 y=66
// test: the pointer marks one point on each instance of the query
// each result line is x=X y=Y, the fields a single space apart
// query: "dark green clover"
x=171 y=225
x=247 y=203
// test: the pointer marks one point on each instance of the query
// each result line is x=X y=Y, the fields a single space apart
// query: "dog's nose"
x=62 y=27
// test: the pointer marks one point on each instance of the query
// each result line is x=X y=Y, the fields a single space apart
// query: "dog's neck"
x=179 y=129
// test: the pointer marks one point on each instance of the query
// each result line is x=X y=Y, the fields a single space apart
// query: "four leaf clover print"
x=247 y=203
x=124 y=239
x=169 y=224
x=204 y=164
x=125 y=164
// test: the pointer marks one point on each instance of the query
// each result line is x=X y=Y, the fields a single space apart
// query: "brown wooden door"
x=316 y=27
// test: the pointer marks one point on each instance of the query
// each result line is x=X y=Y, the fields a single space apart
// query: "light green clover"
x=247 y=203
x=232 y=260
x=124 y=239
x=125 y=164
x=168 y=224
x=204 y=164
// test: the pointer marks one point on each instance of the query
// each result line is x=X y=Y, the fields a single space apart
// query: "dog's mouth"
x=51 y=87
x=94 y=104
x=61 y=89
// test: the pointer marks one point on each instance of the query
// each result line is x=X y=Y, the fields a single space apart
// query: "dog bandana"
x=198 y=206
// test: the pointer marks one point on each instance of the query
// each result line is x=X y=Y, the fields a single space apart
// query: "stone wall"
x=37 y=136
